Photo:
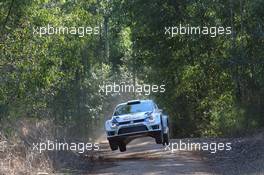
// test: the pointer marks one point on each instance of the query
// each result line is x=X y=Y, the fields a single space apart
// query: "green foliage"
x=214 y=86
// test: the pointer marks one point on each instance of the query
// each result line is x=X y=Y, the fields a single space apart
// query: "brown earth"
x=143 y=156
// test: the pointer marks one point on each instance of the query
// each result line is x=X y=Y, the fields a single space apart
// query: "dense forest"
x=214 y=85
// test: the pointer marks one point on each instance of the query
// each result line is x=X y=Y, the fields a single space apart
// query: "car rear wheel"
x=166 y=139
x=113 y=145
x=166 y=136
x=160 y=138
x=122 y=147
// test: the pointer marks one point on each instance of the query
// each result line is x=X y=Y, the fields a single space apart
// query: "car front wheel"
x=113 y=145
x=122 y=147
x=159 y=139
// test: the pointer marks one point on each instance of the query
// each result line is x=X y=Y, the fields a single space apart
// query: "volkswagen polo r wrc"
x=134 y=119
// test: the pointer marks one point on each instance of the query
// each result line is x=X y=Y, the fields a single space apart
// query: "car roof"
x=131 y=101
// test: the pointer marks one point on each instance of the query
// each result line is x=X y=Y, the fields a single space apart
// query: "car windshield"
x=133 y=108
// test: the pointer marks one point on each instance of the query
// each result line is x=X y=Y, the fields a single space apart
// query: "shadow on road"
x=144 y=156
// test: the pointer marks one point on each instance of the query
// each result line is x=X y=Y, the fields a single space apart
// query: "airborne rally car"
x=134 y=119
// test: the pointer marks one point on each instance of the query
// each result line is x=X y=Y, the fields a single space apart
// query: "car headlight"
x=114 y=123
x=150 y=118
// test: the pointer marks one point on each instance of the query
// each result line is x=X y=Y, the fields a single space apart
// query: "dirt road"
x=144 y=156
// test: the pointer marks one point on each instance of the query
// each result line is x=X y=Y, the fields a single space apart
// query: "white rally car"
x=134 y=119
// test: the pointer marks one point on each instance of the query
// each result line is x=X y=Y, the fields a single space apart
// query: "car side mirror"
x=160 y=110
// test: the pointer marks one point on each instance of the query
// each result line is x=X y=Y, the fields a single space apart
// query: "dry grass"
x=16 y=155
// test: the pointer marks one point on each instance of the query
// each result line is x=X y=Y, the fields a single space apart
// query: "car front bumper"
x=129 y=136
x=124 y=132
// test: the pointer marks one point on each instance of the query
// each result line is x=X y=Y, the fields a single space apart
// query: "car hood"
x=132 y=116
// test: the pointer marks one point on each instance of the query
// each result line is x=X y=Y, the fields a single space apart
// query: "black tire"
x=113 y=145
x=166 y=139
x=159 y=139
x=122 y=147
